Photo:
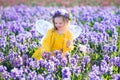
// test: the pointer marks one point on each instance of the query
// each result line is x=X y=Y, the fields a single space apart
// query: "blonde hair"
x=66 y=20
x=67 y=16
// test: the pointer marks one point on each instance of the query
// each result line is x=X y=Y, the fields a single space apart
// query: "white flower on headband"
x=61 y=12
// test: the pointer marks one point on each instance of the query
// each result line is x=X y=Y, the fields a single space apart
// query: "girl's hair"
x=66 y=20
x=61 y=13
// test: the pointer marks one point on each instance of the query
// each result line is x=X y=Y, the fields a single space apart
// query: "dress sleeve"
x=70 y=38
x=37 y=54
x=45 y=46
x=46 y=41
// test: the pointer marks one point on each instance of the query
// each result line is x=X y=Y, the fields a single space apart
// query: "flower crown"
x=62 y=12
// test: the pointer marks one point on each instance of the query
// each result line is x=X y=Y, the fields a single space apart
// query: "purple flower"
x=24 y=57
x=35 y=34
x=105 y=48
x=18 y=35
x=116 y=77
x=46 y=55
x=114 y=48
x=14 y=73
x=85 y=41
x=57 y=13
x=106 y=58
x=67 y=55
x=76 y=56
x=119 y=22
x=2 y=68
x=77 y=70
x=3 y=42
x=104 y=67
x=40 y=77
x=64 y=62
x=66 y=73
x=115 y=61
x=95 y=69
x=34 y=64
x=5 y=75
x=42 y=62
x=55 y=60
x=12 y=54
x=13 y=39
x=22 y=48
x=18 y=61
x=50 y=66
x=86 y=59
x=49 y=77
x=57 y=53
x=73 y=62
x=82 y=66
x=32 y=75
x=93 y=76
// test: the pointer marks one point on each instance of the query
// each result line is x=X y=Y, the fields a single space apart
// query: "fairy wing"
x=42 y=26
x=76 y=30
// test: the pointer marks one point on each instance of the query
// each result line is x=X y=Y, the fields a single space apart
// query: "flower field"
x=67 y=3
x=19 y=40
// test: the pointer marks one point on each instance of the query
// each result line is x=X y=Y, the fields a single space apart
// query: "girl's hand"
x=68 y=43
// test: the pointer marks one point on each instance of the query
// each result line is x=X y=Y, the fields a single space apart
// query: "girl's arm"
x=69 y=43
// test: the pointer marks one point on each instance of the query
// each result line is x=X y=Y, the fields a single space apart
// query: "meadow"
x=19 y=39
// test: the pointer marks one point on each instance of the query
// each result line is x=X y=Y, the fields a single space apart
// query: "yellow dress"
x=54 y=41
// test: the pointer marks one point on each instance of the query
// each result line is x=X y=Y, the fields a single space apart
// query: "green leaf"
x=88 y=67
x=109 y=33
x=40 y=70
x=115 y=69
x=118 y=30
x=59 y=78
x=80 y=77
x=0 y=76
x=72 y=76
x=99 y=19
x=8 y=65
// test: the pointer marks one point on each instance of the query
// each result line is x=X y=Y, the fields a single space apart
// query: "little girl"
x=59 y=37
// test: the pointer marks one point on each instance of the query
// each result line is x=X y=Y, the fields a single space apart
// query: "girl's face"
x=59 y=23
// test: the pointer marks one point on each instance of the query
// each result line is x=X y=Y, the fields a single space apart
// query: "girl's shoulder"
x=69 y=32
x=51 y=30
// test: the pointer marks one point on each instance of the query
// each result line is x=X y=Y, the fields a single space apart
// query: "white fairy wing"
x=42 y=26
x=76 y=30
